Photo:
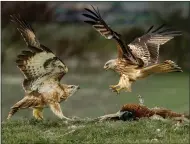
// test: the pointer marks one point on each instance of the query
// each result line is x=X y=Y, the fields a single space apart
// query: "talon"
x=113 y=86
x=113 y=90
x=117 y=90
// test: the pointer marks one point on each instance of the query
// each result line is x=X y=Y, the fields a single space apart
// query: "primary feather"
x=100 y=25
x=147 y=46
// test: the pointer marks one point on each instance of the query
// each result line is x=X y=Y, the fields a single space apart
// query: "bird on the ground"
x=42 y=71
x=130 y=112
x=137 y=59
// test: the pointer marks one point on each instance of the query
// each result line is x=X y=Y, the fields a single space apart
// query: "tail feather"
x=165 y=67
x=26 y=102
x=15 y=108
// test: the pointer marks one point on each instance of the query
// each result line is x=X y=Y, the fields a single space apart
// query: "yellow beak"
x=66 y=69
x=106 y=67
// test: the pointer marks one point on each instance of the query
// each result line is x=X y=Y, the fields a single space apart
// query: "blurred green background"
x=59 y=26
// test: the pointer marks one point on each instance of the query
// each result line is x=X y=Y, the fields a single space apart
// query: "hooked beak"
x=106 y=67
x=78 y=87
x=66 y=69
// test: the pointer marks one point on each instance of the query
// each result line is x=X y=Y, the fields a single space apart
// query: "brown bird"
x=42 y=71
x=137 y=59
x=137 y=111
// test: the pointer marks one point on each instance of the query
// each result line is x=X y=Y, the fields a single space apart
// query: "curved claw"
x=115 y=88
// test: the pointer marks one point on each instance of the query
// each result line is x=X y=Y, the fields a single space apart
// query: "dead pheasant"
x=137 y=111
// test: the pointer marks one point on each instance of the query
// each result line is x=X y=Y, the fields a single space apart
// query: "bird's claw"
x=115 y=88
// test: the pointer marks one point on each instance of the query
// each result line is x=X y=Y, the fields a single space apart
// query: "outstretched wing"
x=147 y=46
x=38 y=63
x=38 y=66
x=100 y=25
x=26 y=31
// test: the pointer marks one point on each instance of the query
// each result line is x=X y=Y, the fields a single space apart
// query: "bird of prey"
x=42 y=71
x=137 y=59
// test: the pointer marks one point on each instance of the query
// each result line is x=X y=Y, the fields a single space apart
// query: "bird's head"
x=69 y=90
x=72 y=89
x=111 y=64
x=127 y=116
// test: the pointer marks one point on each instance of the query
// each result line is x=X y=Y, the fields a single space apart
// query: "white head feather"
x=111 y=64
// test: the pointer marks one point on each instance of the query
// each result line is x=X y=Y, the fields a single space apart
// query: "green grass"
x=79 y=132
x=95 y=99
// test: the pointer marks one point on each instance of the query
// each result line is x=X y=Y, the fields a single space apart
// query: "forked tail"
x=165 y=67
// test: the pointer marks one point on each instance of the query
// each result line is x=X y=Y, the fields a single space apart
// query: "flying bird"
x=137 y=59
x=42 y=71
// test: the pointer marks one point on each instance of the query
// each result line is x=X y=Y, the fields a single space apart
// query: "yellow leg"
x=118 y=89
x=124 y=83
x=115 y=88
x=37 y=113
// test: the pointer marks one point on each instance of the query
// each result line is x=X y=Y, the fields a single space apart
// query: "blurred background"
x=60 y=26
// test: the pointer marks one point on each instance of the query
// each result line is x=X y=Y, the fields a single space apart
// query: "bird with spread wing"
x=139 y=58
x=42 y=71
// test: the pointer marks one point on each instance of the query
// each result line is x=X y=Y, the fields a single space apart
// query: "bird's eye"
x=72 y=86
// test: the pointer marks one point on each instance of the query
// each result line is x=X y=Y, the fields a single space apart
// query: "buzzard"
x=42 y=71
x=137 y=59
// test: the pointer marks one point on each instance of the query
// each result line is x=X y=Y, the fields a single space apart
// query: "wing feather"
x=28 y=34
x=38 y=63
x=32 y=64
x=100 y=25
x=26 y=31
x=147 y=46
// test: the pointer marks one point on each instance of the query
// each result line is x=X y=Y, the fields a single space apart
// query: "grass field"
x=79 y=132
